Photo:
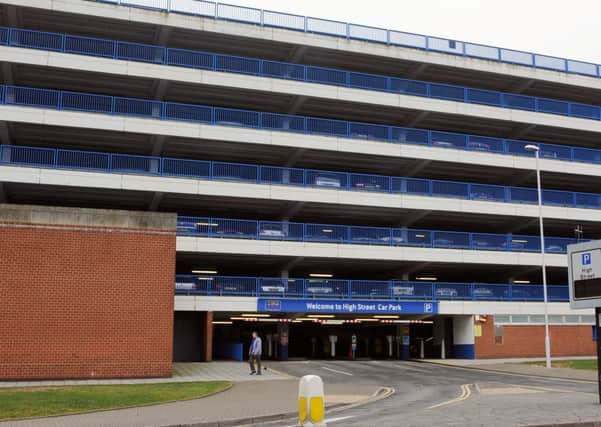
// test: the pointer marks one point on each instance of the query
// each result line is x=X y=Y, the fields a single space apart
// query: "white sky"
x=568 y=29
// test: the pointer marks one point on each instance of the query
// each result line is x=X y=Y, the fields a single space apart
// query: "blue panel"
x=232 y=351
x=464 y=351
x=342 y=306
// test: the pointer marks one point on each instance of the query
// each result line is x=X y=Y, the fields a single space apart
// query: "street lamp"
x=536 y=150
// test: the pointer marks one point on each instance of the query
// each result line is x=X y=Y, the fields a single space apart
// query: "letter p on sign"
x=586 y=259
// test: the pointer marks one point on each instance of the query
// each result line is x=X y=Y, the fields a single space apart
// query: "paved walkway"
x=518 y=366
x=182 y=372
x=250 y=397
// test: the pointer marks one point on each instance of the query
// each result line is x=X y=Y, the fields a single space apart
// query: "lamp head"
x=532 y=148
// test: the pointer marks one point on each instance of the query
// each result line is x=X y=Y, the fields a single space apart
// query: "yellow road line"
x=466 y=392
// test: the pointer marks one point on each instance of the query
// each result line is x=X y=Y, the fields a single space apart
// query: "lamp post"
x=536 y=150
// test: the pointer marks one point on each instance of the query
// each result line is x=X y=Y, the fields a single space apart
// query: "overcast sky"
x=569 y=29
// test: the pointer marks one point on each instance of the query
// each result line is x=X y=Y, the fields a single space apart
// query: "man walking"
x=254 y=354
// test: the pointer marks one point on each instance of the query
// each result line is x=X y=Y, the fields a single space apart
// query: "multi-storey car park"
x=300 y=177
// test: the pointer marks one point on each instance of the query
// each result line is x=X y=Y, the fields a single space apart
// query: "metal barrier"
x=256 y=174
x=76 y=101
x=363 y=289
x=235 y=64
x=361 y=235
x=288 y=21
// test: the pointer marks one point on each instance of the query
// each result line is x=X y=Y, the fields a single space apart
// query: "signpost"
x=584 y=274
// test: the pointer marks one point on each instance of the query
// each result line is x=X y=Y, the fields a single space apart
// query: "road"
x=427 y=395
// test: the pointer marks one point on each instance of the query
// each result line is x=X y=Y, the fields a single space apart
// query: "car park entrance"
x=324 y=336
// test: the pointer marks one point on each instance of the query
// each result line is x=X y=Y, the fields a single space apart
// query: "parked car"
x=481 y=195
x=394 y=240
x=273 y=289
x=555 y=248
x=483 y=293
x=401 y=291
x=186 y=227
x=513 y=245
x=327 y=181
x=317 y=289
x=360 y=135
x=367 y=184
x=477 y=243
x=185 y=286
x=272 y=231
x=475 y=145
x=445 y=144
x=548 y=154
x=231 y=234
x=446 y=292
x=443 y=242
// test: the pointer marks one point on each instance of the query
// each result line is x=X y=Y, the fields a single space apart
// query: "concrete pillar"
x=438 y=331
x=283 y=332
x=207 y=347
x=405 y=276
x=463 y=337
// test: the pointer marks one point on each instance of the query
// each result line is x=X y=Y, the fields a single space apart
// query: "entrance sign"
x=584 y=272
x=346 y=307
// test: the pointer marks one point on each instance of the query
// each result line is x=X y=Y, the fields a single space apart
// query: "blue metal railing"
x=362 y=289
x=78 y=101
x=361 y=235
x=288 y=21
x=256 y=174
x=235 y=64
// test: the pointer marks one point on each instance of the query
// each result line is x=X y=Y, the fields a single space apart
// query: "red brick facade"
x=529 y=341
x=85 y=302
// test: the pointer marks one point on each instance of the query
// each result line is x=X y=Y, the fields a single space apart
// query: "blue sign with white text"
x=348 y=307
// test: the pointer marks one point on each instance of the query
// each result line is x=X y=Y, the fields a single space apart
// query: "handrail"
x=80 y=101
x=290 y=71
x=275 y=175
x=268 y=18
x=363 y=235
x=275 y=287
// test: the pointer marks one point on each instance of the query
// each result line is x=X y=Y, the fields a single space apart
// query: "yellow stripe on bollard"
x=302 y=408
x=317 y=411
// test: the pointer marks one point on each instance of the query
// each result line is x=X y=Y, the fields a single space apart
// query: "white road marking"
x=330 y=420
x=337 y=371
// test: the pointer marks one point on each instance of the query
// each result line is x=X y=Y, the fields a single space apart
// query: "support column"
x=439 y=332
x=463 y=337
x=405 y=337
x=207 y=348
x=283 y=331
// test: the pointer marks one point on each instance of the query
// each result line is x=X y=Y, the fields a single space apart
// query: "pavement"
x=520 y=366
x=182 y=372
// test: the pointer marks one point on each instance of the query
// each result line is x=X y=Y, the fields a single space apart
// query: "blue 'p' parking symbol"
x=586 y=259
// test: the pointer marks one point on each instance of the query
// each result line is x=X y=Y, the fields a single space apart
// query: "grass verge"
x=27 y=402
x=587 y=364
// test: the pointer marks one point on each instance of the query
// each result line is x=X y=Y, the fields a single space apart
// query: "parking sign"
x=584 y=269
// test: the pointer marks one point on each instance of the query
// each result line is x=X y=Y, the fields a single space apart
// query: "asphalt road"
x=427 y=395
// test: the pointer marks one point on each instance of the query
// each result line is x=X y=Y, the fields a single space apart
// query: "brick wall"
x=529 y=341
x=85 y=302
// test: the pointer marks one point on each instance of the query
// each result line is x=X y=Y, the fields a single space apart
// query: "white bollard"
x=311 y=402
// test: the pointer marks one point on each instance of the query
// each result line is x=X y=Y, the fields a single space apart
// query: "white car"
x=403 y=290
x=327 y=181
x=319 y=289
x=273 y=289
x=446 y=292
x=272 y=231
x=185 y=286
